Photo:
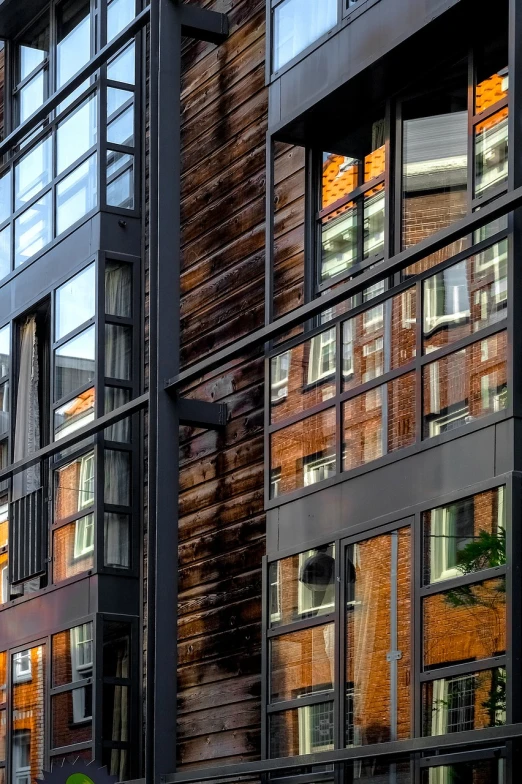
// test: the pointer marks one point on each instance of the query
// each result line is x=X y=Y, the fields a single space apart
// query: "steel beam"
x=203 y=25
x=199 y=413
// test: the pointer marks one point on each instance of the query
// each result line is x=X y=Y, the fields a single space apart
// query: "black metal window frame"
x=97 y=681
x=97 y=89
x=345 y=538
x=416 y=365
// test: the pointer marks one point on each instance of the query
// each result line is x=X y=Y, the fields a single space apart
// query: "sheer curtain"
x=120 y=729
x=27 y=422
x=117 y=540
x=118 y=289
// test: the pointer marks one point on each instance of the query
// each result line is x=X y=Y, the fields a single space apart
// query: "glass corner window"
x=297 y=24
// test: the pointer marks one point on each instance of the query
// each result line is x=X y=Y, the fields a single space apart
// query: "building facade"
x=260 y=390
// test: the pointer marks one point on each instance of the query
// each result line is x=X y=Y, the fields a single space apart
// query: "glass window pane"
x=33 y=172
x=302 y=586
x=76 y=134
x=491 y=152
x=74 y=39
x=72 y=655
x=122 y=68
x=464 y=702
x=466 y=297
x=73 y=548
x=380 y=339
x=117 y=540
x=465 y=536
x=4 y=536
x=5 y=350
x=5 y=594
x=33 y=230
x=118 y=289
x=375 y=161
x=297 y=24
x=5 y=251
x=4 y=409
x=373 y=568
x=305 y=730
x=28 y=699
x=303 y=376
x=5 y=196
x=74 y=364
x=116 y=98
x=118 y=351
x=3 y=677
x=491 y=87
x=374 y=221
x=2 y=739
x=379 y=421
x=119 y=14
x=435 y=148
x=32 y=96
x=116 y=713
x=120 y=189
x=339 y=241
x=75 y=302
x=75 y=414
x=121 y=130
x=117 y=477
x=465 y=386
x=30 y=59
x=77 y=194
x=116 y=649
x=74 y=487
x=114 y=398
x=340 y=176
x=33 y=48
x=71 y=714
x=302 y=663
x=465 y=624
x=302 y=454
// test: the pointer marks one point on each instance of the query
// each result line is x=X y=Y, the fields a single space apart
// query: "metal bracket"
x=203 y=25
x=199 y=413
x=393 y=656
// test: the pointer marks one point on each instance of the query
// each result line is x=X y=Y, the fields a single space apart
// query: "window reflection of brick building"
x=28 y=714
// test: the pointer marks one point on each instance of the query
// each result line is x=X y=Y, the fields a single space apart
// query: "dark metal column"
x=164 y=259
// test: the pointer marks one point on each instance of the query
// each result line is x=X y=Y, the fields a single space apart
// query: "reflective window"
x=303 y=454
x=115 y=397
x=466 y=297
x=5 y=251
x=465 y=386
x=117 y=540
x=118 y=351
x=77 y=134
x=118 y=289
x=5 y=195
x=465 y=536
x=305 y=730
x=464 y=702
x=27 y=714
x=75 y=302
x=303 y=376
x=119 y=14
x=492 y=771
x=73 y=49
x=117 y=477
x=71 y=717
x=297 y=24
x=76 y=195
x=33 y=172
x=32 y=96
x=378 y=573
x=491 y=152
x=302 y=586
x=122 y=67
x=302 y=662
x=379 y=421
x=120 y=180
x=465 y=624
x=121 y=129
x=73 y=548
x=72 y=655
x=74 y=487
x=75 y=414
x=74 y=364
x=33 y=230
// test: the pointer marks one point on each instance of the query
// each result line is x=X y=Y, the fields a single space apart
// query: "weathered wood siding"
x=221 y=524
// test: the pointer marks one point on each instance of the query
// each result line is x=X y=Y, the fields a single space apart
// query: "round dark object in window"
x=318 y=569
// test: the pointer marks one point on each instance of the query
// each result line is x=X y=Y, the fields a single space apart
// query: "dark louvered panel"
x=26 y=538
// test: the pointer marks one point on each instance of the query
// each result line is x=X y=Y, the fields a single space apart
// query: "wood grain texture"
x=221 y=519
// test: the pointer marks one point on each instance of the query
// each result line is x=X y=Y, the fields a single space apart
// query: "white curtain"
x=120 y=729
x=117 y=540
x=27 y=423
x=118 y=289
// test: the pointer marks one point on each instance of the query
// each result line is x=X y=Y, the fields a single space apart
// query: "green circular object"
x=79 y=778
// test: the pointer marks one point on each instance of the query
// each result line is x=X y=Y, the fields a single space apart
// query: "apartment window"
x=22 y=666
x=119 y=14
x=465 y=536
x=22 y=757
x=351 y=217
x=31 y=69
x=297 y=24
x=322 y=362
x=73 y=48
x=72 y=703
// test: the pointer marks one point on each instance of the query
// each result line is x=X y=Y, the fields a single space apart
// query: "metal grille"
x=26 y=538
x=461 y=703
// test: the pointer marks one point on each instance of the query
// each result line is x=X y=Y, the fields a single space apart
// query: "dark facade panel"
x=389 y=490
x=355 y=47
x=16 y=14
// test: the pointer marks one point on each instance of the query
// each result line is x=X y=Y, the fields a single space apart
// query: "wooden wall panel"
x=221 y=519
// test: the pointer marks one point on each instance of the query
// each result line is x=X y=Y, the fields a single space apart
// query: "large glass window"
x=297 y=24
x=27 y=714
